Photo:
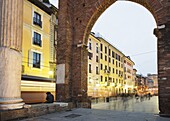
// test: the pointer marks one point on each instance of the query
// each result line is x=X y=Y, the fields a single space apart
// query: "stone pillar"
x=10 y=53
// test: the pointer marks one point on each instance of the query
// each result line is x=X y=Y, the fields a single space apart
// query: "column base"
x=11 y=106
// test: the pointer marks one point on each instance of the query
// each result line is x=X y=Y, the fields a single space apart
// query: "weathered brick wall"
x=64 y=48
x=76 y=19
x=164 y=69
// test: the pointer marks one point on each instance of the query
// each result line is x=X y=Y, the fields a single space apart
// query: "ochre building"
x=38 y=51
x=110 y=72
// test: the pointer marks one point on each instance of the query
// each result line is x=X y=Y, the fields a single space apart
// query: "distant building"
x=128 y=78
x=141 y=84
x=153 y=78
x=106 y=75
x=152 y=83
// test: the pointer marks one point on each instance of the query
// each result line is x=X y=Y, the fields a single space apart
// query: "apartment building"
x=93 y=66
x=106 y=68
x=38 y=50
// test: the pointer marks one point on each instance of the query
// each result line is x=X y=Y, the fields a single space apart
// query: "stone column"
x=10 y=53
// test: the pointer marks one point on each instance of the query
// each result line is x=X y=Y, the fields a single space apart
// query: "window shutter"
x=42 y=61
x=30 y=58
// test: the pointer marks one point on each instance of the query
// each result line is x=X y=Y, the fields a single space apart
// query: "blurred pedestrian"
x=149 y=95
x=136 y=96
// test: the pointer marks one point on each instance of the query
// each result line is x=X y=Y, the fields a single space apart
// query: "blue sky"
x=129 y=27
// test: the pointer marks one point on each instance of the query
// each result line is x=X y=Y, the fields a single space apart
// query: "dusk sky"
x=129 y=27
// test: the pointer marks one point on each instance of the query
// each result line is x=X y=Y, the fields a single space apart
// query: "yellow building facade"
x=38 y=53
x=110 y=80
x=93 y=66
x=111 y=69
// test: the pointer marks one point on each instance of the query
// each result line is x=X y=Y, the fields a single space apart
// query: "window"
x=109 y=52
x=113 y=61
x=116 y=71
x=90 y=55
x=37 y=39
x=116 y=64
x=90 y=70
x=101 y=66
x=117 y=57
x=105 y=58
x=109 y=59
x=105 y=67
x=105 y=49
x=37 y=19
x=105 y=79
x=90 y=46
x=113 y=54
x=113 y=70
x=101 y=78
x=101 y=47
x=97 y=70
x=36 y=60
x=101 y=55
x=97 y=48
x=97 y=59
x=119 y=72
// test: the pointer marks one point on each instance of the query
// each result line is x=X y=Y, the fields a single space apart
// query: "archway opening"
x=125 y=30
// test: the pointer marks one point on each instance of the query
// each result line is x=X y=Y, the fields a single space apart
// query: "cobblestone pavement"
x=98 y=115
x=144 y=105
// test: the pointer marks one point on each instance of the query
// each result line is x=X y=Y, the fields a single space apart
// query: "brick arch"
x=76 y=19
x=99 y=7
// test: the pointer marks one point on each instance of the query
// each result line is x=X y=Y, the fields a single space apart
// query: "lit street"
x=131 y=105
